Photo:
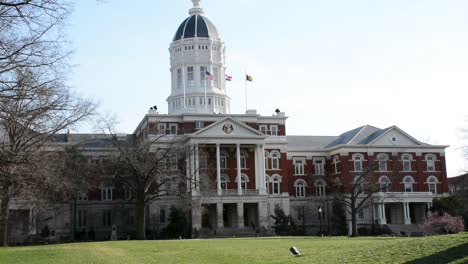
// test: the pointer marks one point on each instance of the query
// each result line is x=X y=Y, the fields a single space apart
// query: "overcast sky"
x=330 y=65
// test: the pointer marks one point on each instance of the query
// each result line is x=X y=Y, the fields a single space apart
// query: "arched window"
x=244 y=181
x=430 y=161
x=276 y=184
x=408 y=181
x=336 y=160
x=275 y=158
x=359 y=184
x=319 y=188
x=243 y=160
x=384 y=183
x=203 y=161
x=432 y=184
x=406 y=159
x=223 y=160
x=383 y=160
x=224 y=182
x=106 y=191
x=266 y=161
x=357 y=160
x=300 y=188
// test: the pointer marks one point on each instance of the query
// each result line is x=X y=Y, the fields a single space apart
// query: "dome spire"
x=196 y=10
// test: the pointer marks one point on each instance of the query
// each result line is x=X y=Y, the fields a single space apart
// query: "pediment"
x=228 y=127
x=396 y=137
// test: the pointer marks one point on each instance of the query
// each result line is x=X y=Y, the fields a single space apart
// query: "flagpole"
x=245 y=83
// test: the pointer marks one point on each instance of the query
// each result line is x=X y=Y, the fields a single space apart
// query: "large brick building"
x=255 y=165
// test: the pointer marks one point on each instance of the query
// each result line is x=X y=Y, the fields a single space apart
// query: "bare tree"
x=29 y=120
x=151 y=168
x=358 y=193
x=31 y=37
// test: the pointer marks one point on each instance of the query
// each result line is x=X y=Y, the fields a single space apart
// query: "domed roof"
x=196 y=26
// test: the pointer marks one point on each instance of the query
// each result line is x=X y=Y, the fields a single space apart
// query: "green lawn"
x=437 y=249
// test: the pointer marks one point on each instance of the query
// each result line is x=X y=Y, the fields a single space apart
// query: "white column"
x=262 y=169
x=406 y=214
x=384 y=218
x=197 y=169
x=187 y=172
x=257 y=168
x=192 y=168
x=219 y=215
x=239 y=181
x=240 y=215
x=218 y=170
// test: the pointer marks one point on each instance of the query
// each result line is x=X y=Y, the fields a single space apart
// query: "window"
x=430 y=160
x=383 y=160
x=264 y=129
x=300 y=188
x=106 y=217
x=406 y=159
x=216 y=75
x=203 y=161
x=224 y=182
x=173 y=163
x=173 y=129
x=408 y=182
x=357 y=160
x=106 y=192
x=162 y=215
x=276 y=180
x=384 y=183
x=128 y=194
x=299 y=166
x=223 y=160
x=161 y=129
x=319 y=166
x=244 y=180
x=319 y=188
x=82 y=218
x=267 y=183
x=359 y=184
x=336 y=160
x=179 y=78
x=243 y=160
x=83 y=196
x=266 y=161
x=361 y=214
x=190 y=77
x=275 y=161
x=432 y=184
x=199 y=124
x=203 y=76
x=274 y=130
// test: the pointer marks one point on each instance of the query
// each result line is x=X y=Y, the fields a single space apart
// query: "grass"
x=437 y=249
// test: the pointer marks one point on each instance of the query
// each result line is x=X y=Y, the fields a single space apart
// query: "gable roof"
x=232 y=120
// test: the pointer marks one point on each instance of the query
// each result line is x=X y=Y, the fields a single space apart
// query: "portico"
x=401 y=208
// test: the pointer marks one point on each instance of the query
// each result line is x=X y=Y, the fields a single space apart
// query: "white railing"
x=231 y=192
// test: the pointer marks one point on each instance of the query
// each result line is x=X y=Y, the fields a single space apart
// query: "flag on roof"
x=228 y=77
x=211 y=76
x=248 y=78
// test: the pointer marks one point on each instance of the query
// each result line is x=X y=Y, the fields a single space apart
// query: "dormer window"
x=274 y=130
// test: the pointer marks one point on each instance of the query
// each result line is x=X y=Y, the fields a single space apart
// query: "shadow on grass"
x=446 y=256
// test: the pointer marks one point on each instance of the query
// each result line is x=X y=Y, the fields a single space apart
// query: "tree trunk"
x=4 y=215
x=354 y=232
x=140 y=220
